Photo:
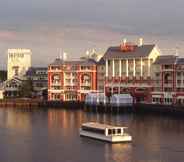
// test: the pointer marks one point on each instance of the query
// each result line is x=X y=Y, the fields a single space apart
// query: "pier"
x=20 y=103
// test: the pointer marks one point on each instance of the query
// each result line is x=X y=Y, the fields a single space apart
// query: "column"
x=134 y=67
x=71 y=79
x=127 y=67
x=113 y=69
x=149 y=68
x=64 y=79
x=141 y=67
x=120 y=68
x=106 y=68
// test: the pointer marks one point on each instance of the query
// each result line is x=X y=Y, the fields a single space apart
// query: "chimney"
x=60 y=55
x=64 y=56
x=87 y=53
x=177 y=51
x=140 y=42
x=124 y=42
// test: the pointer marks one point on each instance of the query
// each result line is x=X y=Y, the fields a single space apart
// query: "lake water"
x=52 y=136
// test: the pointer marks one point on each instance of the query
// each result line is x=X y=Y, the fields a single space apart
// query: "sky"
x=50 y=27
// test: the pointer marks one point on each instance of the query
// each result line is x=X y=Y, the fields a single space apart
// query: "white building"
x=19 y=61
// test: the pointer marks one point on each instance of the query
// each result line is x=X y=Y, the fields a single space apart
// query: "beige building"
x=19 y=61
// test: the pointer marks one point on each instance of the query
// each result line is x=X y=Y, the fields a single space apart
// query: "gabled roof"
x=86 y=62
x=139 y=51
x=101 y=61
x=166 y=59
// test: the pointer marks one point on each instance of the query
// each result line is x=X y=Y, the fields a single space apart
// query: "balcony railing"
x=56 y=83
x=86 y=84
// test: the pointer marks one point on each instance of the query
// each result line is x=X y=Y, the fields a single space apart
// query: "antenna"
x=140 y=41
x=177 y=49
x=124 y=41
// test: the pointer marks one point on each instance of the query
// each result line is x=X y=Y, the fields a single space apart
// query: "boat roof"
x=100 y=126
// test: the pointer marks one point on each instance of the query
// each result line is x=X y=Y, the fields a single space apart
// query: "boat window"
x=119 y=131
x=109 y=131
x=114 y=131
x=94 y=130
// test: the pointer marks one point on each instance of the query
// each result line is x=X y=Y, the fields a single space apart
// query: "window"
x=178 y=73
x=178 y=81
x=100 y=131
x=168 y=66
x=119 y=131
x=114 y=131
x=109 y=131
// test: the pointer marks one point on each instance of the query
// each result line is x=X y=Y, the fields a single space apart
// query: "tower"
x=19 y=61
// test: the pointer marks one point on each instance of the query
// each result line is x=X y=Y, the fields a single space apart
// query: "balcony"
x=55 y=83
x=168 y=84
x=70 y=88
x=86 y=84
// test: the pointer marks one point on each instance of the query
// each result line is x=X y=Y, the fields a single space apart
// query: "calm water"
x=52 y=136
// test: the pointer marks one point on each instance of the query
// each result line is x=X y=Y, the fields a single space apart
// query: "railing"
x=56 y=83
x=85 y=84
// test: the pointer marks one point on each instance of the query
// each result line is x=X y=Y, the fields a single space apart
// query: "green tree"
x=3 y=75
x=26 y=89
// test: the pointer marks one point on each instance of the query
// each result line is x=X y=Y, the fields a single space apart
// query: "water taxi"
x=109 y=133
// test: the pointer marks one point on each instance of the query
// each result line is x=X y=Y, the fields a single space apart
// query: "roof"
x=166 y=59
x=180 y=61
x=86 y=62
x=32 y=70
x=19 y=50
x=139 y=51
x=100 y=126
x=169 y=60
x=15 y=79
x=125 y=95
x=101 y=61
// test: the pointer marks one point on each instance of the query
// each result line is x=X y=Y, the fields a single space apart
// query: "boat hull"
x=111 y=139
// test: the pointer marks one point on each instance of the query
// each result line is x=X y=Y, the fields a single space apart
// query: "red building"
x=71 y=80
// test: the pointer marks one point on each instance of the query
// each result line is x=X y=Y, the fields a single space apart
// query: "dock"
x=19 y=103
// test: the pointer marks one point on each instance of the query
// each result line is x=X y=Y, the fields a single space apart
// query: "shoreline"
x=137 y=108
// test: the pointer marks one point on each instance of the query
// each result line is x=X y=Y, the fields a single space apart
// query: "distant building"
x=39 y=78
x=71 y=80
x=19 y=60
x=128 y=69
x=11 y=88
x=168 y=80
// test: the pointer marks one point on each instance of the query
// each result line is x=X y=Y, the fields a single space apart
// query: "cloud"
x=7 y=35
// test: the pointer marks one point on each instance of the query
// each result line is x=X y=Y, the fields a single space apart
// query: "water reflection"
x=118 y=152
x=53 y=135
x=16 y=120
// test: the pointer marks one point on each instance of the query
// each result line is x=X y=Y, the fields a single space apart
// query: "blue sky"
x=46 y=26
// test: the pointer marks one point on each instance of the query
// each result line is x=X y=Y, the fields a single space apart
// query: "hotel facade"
x=71 y=80
x=128 y=69
x=143 y=72
x=138 y=69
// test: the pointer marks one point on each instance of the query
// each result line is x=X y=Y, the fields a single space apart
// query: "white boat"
x=109 y=133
